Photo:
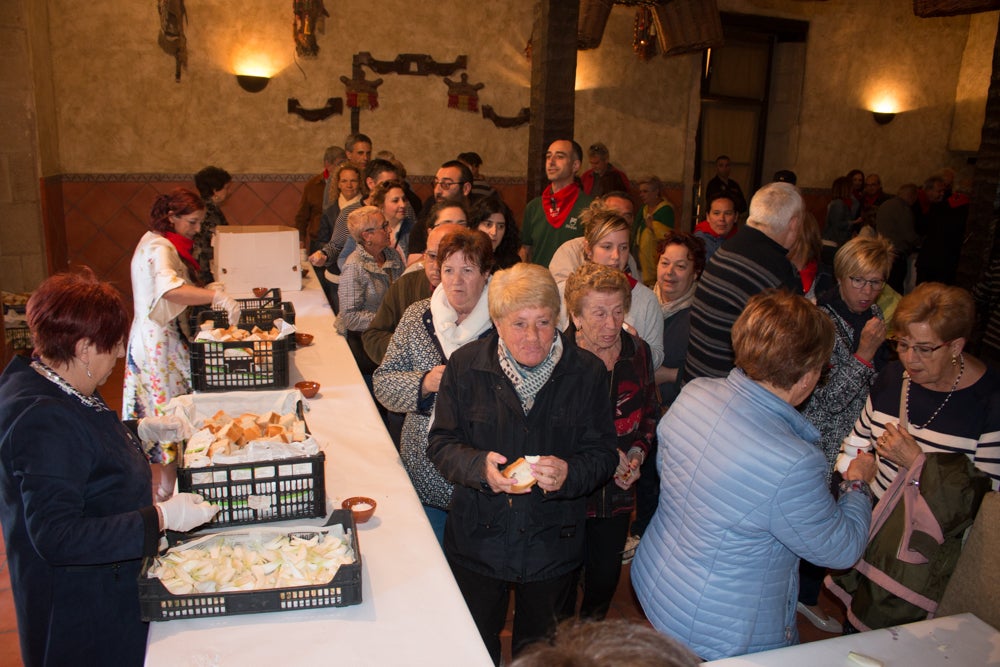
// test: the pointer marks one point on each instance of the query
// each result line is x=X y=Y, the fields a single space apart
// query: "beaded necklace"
x=961 y=371
x=43 y=369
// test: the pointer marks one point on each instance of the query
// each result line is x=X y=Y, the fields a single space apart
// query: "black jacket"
x=535 y=536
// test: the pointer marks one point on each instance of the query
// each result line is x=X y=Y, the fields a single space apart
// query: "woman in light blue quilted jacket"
x=743 y=492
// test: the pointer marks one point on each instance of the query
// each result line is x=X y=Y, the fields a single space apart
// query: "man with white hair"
x=750 y=262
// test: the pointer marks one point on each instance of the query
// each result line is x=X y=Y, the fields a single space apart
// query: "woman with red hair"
x=158 y=366
x=76 y=501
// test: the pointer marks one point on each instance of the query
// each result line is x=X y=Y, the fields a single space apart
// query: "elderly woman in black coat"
x=520 y=392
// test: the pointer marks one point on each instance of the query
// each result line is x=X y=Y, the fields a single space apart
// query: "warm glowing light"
x=254 y=64
x=885 y=105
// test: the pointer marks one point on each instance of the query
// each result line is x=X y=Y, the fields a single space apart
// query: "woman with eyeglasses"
x=366 y=277
x=936 y=398
x=861 y=267
x=933 y=419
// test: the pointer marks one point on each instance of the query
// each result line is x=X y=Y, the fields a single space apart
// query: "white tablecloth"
x=412 y=611
x=951 y=641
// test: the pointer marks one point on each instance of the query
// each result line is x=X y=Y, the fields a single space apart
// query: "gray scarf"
x=529 y=381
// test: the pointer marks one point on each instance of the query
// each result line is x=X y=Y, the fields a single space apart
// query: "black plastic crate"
x=19 y=337
x=158 y=604
x=259 y=491
x=263 y=364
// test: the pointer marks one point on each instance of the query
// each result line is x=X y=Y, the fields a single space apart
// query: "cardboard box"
x=257 y=256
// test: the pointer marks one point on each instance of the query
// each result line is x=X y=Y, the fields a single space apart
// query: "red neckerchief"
x=958 y=199
x=704 y=226
x=632 y=282
x=326 y=174
x=808 y=274
x=184 y=247
x=557 y=205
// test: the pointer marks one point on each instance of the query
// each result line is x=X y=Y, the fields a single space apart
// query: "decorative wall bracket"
x=462 y=94
x=334 y=107
x=412 y=64
x=522 y=117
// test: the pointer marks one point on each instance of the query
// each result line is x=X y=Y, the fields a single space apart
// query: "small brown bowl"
x=362 y=508
x=308 y=388
x=303 y=339
x=260 y=291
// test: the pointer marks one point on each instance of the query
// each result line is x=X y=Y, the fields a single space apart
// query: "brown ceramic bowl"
x=303 y=339
x=362 y=508
x=260 y=291
x=308 y=388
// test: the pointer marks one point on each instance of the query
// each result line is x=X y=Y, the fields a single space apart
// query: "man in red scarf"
x=554 y=218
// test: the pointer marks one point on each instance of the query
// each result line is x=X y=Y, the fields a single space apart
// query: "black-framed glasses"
x=922 y=351
x=445 y=183
x=857 y=282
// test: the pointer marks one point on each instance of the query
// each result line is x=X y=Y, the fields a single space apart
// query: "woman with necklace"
x=597 y=299
x=76 y=498
x=936 y=398
x=934 y=419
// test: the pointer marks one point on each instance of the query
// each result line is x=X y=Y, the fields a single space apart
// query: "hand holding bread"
x=497 y=481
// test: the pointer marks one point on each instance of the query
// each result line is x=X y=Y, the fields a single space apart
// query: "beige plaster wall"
x=639 y=109
x=859 y=50
x=22 y=264
x=974 y=83
x=120 y=110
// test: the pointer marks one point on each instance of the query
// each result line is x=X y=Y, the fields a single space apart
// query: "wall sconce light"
x=252 y=84
x=883 y=117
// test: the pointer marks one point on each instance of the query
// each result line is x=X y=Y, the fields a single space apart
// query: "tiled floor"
x=624 y=604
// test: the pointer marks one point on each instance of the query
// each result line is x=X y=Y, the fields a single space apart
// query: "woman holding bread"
x=521 y=391
x=76 y=498
x=427 y=335
x=597 y=299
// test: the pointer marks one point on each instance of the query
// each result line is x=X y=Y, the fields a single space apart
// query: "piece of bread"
x=220 y=446
x=521 y=471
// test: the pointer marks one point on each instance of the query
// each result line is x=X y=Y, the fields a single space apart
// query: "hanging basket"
x=687 y=26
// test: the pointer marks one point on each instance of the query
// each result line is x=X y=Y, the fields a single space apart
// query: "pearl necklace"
x=961 y=371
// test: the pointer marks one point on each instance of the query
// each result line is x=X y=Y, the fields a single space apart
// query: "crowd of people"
x=730 y=406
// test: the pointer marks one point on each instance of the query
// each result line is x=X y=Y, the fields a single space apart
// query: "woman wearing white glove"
x=184 y=512
x=160 y=436
x=158 y=366
x=75 y=485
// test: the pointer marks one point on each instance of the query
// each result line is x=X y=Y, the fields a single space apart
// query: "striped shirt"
x=969 y=423
x=745 y=265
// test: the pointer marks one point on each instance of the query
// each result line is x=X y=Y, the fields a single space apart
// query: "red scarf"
x=808 y=274
x=184 y=247
x=704 y=226
x=557 y=205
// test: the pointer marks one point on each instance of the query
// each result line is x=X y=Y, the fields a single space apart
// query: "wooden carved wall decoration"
x=172 y=39
x=522 y=117
x=334 y=106
x=361 y=93
x=309 y=15
x=463 y=95
x=412 y=64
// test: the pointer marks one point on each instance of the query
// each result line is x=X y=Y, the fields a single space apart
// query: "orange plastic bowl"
x=260 y=291
x=303 y=339
x=362 y=508
x=308 y=388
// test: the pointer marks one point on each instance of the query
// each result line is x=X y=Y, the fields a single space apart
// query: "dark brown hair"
x=474 y=244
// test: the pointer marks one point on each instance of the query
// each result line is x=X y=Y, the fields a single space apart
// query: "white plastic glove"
x=222 y=301
x=163 y=428
x=186 y=511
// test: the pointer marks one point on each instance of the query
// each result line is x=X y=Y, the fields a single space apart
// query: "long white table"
x=951 y=641
x=412 y=611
